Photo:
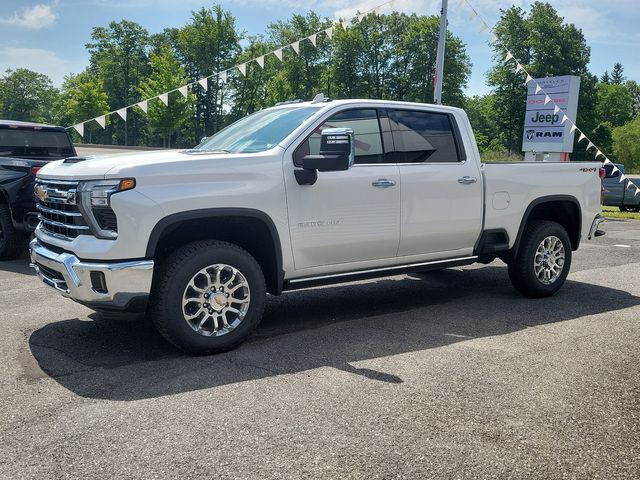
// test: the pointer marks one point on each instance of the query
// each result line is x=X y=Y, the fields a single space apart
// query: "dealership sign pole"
x=547 y=136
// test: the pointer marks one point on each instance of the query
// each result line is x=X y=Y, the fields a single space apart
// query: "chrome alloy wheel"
x=549 y=260
x=216 y=300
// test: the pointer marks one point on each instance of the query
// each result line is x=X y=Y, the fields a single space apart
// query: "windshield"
x=29 y=143
x=258 y=132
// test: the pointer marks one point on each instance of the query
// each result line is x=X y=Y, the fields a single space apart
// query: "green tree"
x=118 y=55
x=83 y=97
x=614 y=104
x=546 y=46
x=605 y=77
x=626 y=144
x=166 y=74
x=634 y=91
x=27 y=95
x=617 y=74
x=210 y=43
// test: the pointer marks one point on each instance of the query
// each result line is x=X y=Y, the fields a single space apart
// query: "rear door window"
x=424 y=137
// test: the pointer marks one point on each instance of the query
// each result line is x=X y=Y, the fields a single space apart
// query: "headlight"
x=95 y=204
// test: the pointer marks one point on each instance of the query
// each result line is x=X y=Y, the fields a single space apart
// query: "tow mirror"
x=336 y=153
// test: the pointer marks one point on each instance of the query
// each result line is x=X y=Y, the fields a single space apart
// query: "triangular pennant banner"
x=260 y=61
x=574 y=127
x=313 y=39
x=591 y=145
x=184 y=90
x=484 y=27
x=538 y=88
x=243 y=69
x=164 y=98
x=528 y=79
x=345 y=24
x=494 y=38
x=278 y=53
x=508 y=56
x=473 y=12
x=79 y=128
x=582 y=135
x=204 y=83
x=123 y=113
x=547 y=99
x=142 y=105
x=607 y=161
x=637 y=191
x=622 y=178
x=630 y=184
x=102 y=120
x=564 y=118
x=556 y=109
x=518 y=67
x=598 y=153
x=223 y=76
x=615 y=169
x=296 y=46
x=329 y=32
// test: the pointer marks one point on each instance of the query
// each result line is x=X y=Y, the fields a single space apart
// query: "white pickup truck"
x=301 y=194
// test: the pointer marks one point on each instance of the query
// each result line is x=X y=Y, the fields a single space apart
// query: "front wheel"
x=543 y=261
x=207 y=297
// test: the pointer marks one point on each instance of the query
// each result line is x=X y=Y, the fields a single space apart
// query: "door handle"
x=467 y=180
x=383 y=183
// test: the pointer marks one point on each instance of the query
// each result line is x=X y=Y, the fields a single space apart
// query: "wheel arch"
x=253 y=230
x=563 y=209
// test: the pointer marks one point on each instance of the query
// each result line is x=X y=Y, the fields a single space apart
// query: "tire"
x=532 y=274
x=10 y=239
x=190 y=273
x=623 y=209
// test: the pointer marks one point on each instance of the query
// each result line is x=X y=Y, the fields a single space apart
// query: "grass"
x=614 y=212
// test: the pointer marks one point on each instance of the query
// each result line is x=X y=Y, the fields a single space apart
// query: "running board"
x=306 y=282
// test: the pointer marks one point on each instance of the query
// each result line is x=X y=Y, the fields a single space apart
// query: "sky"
x=49 y=36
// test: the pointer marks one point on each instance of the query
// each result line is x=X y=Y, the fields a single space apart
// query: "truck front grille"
x=59 y=213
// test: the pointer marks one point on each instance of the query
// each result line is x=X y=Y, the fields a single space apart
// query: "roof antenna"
x=319 y=98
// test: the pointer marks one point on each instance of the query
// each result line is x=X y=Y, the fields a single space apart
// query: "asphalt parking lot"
x=450 y=375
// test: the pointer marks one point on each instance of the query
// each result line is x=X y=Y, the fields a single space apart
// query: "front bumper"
x=121 y=286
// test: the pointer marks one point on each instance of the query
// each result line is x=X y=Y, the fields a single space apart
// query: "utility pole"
x=437 y=87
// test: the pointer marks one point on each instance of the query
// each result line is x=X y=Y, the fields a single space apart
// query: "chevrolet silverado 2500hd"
x=297 y=195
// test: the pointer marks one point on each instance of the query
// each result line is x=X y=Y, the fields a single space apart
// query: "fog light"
x=98 y=282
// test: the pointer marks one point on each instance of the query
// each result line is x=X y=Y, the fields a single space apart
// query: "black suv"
x=24 y=148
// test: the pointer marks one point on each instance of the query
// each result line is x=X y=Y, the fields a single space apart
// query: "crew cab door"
x=347 y=216
x=441 y=204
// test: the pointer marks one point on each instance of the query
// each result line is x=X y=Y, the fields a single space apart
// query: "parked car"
x=24 y=148
x=298 y=195
x=616 y=193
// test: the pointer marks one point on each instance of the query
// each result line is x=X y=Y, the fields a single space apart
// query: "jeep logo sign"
x=543 y=128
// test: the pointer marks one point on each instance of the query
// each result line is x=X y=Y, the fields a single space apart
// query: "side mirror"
x=336 y=151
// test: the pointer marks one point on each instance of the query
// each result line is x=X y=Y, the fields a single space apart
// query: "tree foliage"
x=166 y=74
x=26 y=95
x=626 y=144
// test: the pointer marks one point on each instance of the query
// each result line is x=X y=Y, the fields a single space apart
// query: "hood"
x=95 y=168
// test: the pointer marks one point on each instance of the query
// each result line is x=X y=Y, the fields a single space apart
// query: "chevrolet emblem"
x=41 y=193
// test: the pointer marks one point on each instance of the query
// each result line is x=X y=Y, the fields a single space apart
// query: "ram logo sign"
x=544 y=130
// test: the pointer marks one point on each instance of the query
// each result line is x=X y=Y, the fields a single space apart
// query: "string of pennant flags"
x=509 y=57
x=223 y=75
x=313 y=39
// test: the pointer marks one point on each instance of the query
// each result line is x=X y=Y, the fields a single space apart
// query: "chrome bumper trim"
x=594 y=225
x=71 y=277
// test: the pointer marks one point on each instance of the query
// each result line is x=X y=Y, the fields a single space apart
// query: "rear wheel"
x=10 y=239
x=207 y=297
x=543 y=261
